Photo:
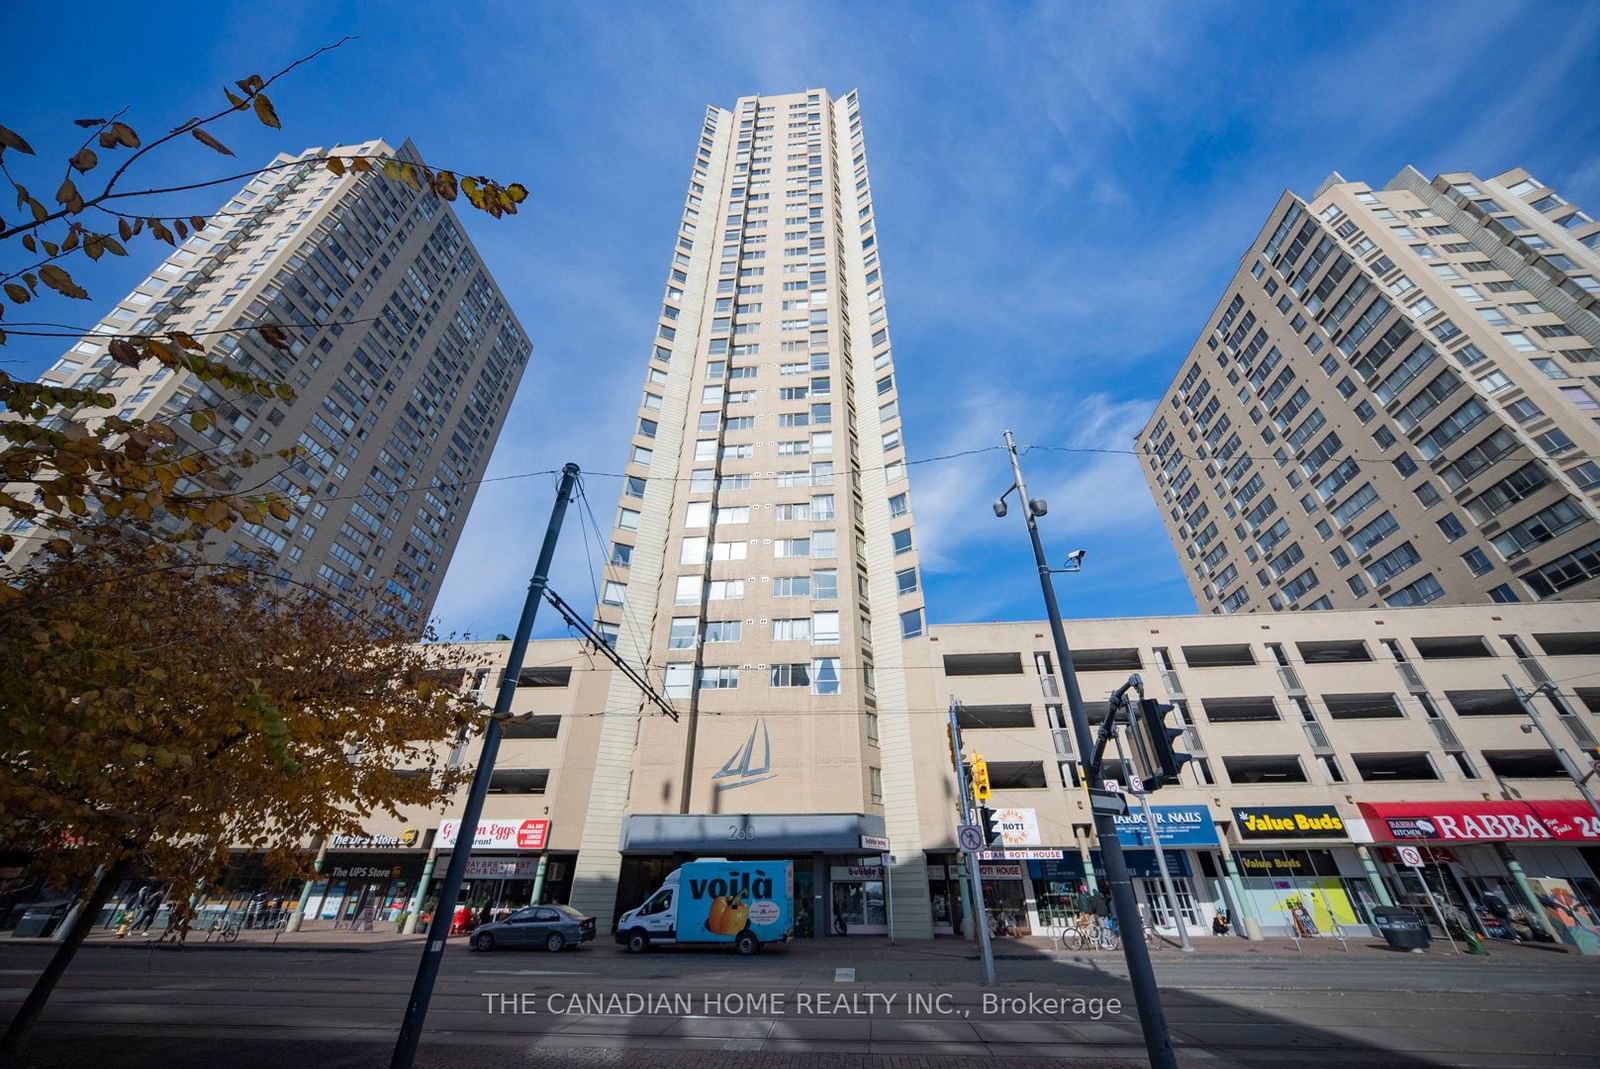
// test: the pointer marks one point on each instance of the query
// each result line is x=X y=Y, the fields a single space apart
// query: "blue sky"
x=1062 y=191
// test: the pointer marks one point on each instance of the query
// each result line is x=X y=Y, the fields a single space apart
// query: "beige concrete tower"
x=1395 y=402
x=763 y=563
x=404 y=358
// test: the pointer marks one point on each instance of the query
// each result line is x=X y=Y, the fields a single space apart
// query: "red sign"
x=497 y=835
x=1481 y=822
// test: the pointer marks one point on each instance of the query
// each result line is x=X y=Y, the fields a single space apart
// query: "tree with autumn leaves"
x=161 y=705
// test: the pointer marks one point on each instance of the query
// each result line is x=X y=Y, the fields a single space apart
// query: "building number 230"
x=741 y=831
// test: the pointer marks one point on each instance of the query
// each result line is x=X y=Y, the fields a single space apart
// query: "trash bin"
x=39 y=920
x=1402 y=928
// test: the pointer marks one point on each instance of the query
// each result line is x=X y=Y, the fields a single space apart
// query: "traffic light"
x=1153 y=739
x=980 y=778
x=986 y=820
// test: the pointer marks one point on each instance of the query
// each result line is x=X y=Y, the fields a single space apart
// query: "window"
x=902 y=541
x=791 y=675
x=906 y=581
x=1565 y=571
x=824 y=628
x=614 y=592
x=678 y=680
x=1420 y=592
x=724 y=630
x=628 y=519
x=824 y=676
x=687 y=591
x=1477 y=561
x=719 y=678
x=1393 y=563
x=621 y=553
x=791 y=630
x=899 y=505
x=824 y=584
x=682 y=635
x=911 y=623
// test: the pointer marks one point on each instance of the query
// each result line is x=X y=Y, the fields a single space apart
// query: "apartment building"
x=404 y=356
x=1322 y=744
x=762 y=559
x=1395 y=402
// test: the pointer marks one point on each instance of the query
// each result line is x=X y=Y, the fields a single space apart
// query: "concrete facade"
x=1316 y=714
x=1393 y=403
x=404 y=358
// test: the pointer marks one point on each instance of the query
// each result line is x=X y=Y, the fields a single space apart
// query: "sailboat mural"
x=742 y=767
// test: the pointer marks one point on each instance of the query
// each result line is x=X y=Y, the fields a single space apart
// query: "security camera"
x=1076 y=556
x=1038 y=507
x=1000 y=507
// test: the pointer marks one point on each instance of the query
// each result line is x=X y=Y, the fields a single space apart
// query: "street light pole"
x=405 y=1047
x=1152 y=1018
x=1567 y=766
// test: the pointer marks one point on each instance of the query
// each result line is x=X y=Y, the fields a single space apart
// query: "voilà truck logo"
x=1287 y=821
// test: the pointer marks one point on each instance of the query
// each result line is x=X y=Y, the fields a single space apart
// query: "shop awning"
x=1512 y=820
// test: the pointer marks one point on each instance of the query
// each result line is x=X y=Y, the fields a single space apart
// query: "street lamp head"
x=1000 y=507
x=1038 y=507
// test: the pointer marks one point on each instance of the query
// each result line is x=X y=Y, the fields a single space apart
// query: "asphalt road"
x=241 y=1008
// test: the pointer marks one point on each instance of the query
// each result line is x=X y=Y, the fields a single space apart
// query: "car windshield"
x=569 y=911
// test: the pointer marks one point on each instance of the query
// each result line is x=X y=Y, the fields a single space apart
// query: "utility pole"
x=1578 y=778
x=979 y=917
x=1152 y=1018
x=405 y=1047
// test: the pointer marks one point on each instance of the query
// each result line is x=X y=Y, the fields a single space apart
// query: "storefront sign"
x=1018 y=827
x=1000 y=870
x=494 y=868
x=362 y=872
x=879 y=843
x=1289 y=822
x=404 y=840
x=1260 y=863
x=1040 y=854
x=498 y=834
x=856 y=873
x=1483 y=822
x=1176 y=825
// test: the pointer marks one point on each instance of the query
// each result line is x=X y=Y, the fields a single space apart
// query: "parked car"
x=551 y=927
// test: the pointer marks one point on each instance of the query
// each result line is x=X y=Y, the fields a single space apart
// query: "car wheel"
x=483 y=941
x=747 y=943
x=638 y=941
x=554 y=942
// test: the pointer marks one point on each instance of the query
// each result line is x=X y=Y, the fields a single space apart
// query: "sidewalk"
x=847 y=950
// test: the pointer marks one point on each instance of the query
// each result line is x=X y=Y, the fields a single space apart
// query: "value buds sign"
x=498 y=835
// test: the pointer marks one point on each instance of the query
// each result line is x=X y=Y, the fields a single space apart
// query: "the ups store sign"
x=1289 y=822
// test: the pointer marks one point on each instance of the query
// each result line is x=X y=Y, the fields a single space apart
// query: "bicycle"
x=1091 y=933
x=225 y=929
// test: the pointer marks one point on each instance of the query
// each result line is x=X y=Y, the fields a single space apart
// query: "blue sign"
x=1177 y=825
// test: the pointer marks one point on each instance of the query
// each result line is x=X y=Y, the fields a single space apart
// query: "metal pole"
x=1573 y=774
x=414 y=914
x=1152 y=1018
x=979 y=919
x=888 y=893
x=1437 y=912
x=405 y=1047
x=1166 y=877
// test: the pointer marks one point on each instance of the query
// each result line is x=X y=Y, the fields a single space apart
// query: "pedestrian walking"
x=147 y=914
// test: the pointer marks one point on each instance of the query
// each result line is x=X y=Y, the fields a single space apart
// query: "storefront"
x=363 y=890
x=840 y=884
x=1494 y=862
x=509 y=867
x=1180 y=830
x=1299 y=870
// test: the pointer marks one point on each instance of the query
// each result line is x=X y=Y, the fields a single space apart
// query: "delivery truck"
x=742 y=903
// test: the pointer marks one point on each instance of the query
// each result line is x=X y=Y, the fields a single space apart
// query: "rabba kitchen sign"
x=1487 y=822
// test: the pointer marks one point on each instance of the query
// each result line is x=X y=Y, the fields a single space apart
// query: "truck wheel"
x=638 y=941
x=746 y=943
